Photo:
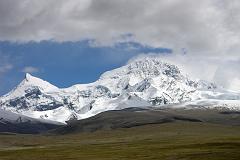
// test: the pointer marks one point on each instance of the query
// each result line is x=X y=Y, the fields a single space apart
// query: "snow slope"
x=145 y=81
x=14 y=118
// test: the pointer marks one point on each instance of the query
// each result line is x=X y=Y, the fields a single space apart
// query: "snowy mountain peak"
x=28 y=77
x=154 y=67
x=145 y=67
x=31 y=81
x=143 y=82
x=28 y=84
x=147 y=62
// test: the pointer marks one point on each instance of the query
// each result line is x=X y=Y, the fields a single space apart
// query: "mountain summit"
x=143 y=82
x=28 y=84
x=37 y=82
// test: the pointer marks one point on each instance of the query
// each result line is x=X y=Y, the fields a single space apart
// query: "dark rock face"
x=101 y=91
x=19 y=103
x=22 y=103
x=140 y=87
x=33 y=93
x=158 y=101
x=171 y=71
x=50 y=106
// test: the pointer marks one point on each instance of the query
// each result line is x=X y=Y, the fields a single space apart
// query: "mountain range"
x=145 y=82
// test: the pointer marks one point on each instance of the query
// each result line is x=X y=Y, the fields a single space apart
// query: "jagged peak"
x=149 y=62
x=146 y=67
x=29 y=77
x=30 y=80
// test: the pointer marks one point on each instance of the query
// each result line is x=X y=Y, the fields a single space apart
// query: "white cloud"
x=206 y=26
x=30 y=69
x=208 y=29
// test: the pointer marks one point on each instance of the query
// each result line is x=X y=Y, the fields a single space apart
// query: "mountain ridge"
x=143 y=82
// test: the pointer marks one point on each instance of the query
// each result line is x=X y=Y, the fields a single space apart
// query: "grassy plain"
x=169 y=141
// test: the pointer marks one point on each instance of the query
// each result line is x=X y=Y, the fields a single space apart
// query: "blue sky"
x=66 y=63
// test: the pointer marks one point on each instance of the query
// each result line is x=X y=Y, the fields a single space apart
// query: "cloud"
x=208 y=30
x=30 y=69
x=210 y=27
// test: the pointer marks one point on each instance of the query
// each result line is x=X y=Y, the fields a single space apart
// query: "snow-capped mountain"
x=143 y=82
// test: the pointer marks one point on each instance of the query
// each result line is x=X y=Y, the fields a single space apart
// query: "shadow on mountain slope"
x=133 y=117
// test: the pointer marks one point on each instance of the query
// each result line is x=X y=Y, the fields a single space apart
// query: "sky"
x=75 y=41
x=66 y=63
